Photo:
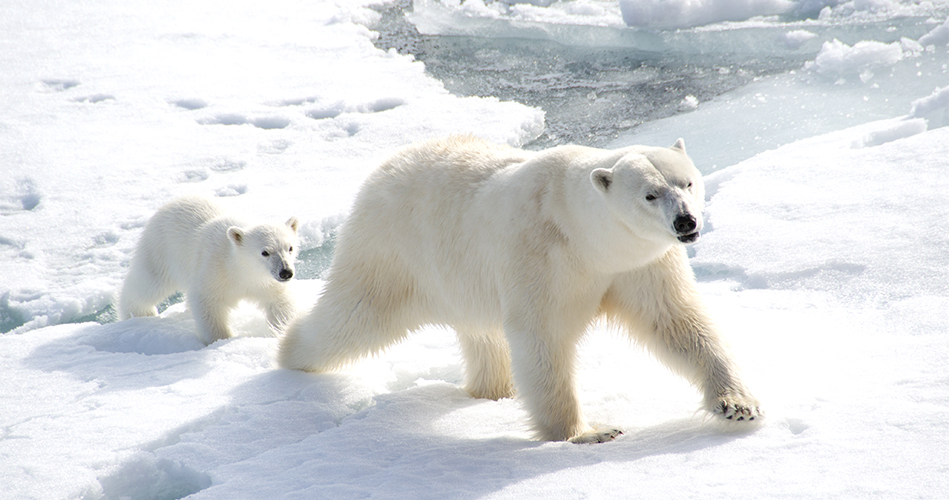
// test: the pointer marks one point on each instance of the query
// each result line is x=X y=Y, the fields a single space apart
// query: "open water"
x=590 y=94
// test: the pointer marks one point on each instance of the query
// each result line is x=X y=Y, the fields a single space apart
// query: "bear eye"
x=290 y=250
x=689 y=186
x=650 y=197
x=265 y=253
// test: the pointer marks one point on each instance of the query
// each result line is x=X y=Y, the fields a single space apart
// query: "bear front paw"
x=737 y=408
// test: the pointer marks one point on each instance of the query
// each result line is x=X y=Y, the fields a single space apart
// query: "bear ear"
x=680 y=145
x=293 y=223
x=602 y=179
x=236 y=235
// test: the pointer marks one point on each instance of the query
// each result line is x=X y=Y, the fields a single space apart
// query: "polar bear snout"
x=281 y=269
x=281 y=266
x=686 y=228
x=684 y=223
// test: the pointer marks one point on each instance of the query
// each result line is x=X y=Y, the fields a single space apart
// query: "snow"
x=824 y=258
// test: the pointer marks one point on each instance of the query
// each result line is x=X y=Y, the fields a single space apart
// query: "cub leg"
x=487 y=364
x=660 y=307
x=211 y=315
x=280 y=309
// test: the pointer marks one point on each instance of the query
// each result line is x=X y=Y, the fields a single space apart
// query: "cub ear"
x=293 y=223
x=236 y=235
x=602 y=179
x=680 y=145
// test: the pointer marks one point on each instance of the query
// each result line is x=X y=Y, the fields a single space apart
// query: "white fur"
x=520 y=252
x=217 y=260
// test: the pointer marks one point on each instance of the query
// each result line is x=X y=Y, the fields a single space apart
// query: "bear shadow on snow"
x=281 y=426
x=408 y=444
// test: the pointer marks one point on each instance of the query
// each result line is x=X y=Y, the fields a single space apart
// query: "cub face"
x=657 y=192
x=268 y=249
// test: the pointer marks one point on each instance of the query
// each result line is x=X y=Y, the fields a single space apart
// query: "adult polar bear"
x=520 y=252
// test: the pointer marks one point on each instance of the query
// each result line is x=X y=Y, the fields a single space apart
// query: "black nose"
x=684 y=224
x=286 y=274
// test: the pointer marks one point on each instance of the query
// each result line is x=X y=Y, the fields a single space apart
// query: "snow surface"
x=824 y=260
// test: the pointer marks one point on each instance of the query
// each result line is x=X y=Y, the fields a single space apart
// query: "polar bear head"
x=267 y=249
x=657 y=192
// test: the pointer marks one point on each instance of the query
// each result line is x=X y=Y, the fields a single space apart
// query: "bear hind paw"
x=596 y=436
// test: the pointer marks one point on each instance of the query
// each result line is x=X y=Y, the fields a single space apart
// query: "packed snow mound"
x=852 y=198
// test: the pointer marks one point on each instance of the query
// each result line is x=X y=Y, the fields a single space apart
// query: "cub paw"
x=737 y=407
x=596 y=436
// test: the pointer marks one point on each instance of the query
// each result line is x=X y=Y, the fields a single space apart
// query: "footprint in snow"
x=231 y=190
x=193 y=176
x=227 y=165
x=265 y=123
x=95 y=98
x=58 y=85
x=24 y=197
x=335 y=109
x=190 y=104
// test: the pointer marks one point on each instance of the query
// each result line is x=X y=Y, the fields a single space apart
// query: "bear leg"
x=661 y=308
x=543 y=375
x=141 y=292
x=350 y=321
x=487 y=364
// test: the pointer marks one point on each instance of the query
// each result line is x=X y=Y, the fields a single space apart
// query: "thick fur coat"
x=191 y=245
x=520 y=252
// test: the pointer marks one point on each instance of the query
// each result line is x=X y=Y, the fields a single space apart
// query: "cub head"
x=268 y=248
x=657 y=192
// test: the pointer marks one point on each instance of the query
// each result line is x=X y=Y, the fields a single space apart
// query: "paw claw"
x=737 y=407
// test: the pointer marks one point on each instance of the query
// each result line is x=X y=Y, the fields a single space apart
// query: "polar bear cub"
x=190 y=245
x=520 y=252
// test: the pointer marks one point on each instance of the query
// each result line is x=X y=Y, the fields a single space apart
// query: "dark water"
x=589 y=94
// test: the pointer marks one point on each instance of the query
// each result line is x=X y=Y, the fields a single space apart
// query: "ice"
x=796 y=38
x=934 y=108
x=891 y=132
x=823 y=258
x=838 y=59
x=672 y=14
x=938 y=36
x=599 y=23
x=843 y=86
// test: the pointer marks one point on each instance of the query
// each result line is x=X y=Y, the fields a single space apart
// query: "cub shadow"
x=127 y=355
